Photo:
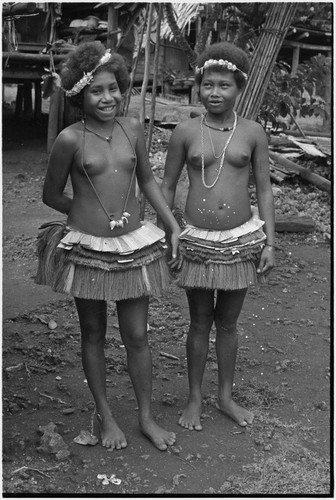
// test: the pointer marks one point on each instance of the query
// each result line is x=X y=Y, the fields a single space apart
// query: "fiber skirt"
x=89 y=267
x=221 y=260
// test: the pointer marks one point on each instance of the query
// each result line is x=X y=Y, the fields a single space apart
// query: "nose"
x=107 y=96
x=214 y=91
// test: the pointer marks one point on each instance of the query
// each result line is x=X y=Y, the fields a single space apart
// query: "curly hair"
x=84 y=59
x=228 y=51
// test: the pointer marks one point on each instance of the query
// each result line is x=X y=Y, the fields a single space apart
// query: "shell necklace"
x=125 y=215
x=222 y=154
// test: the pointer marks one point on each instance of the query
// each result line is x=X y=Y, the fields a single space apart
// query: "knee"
x=93 y=332
x=135 y=340
x=202 y=323
x=226 y=326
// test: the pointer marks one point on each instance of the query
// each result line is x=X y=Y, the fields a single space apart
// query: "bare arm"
x=60 y=161
x=151 y=189
x=175 y=161
x=260 y=166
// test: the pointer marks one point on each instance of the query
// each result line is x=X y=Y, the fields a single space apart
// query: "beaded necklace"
x=222 y=154
x=221 y=129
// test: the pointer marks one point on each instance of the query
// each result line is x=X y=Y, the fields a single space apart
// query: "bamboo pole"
x=147 y=65
x=144 y=90
x=279 y=18
x=155 y=77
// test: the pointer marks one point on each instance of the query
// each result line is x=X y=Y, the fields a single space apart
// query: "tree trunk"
x=178 y=36
x=214 y=11
x=279 y=18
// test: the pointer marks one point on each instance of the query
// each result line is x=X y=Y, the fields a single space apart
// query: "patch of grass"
x=257 y=395
x=294 y=470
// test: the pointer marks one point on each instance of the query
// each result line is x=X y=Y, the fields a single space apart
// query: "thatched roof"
x=185 y=13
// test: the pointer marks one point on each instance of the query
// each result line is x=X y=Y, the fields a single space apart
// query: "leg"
x=92 y=319
x=132 y=315
x=201 y=307
x=228 y=307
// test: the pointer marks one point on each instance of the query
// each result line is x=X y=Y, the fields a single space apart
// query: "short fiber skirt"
x=90 y=267
x=221 y=260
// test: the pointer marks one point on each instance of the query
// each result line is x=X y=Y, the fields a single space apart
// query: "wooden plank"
x=305 y=173
x=294 y=224
x=15 y=75
x=31 y=58
x=309 y=46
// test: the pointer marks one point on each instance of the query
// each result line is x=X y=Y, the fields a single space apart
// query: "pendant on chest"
x=121 y=222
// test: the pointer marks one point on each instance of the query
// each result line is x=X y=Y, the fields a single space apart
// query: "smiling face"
x=218 y=90
x=102 y=97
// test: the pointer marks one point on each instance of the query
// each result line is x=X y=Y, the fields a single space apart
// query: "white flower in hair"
x=88 y=77
x=220 y=62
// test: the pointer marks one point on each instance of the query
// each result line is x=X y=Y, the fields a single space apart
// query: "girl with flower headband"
x=225 y=246
x=104 y=252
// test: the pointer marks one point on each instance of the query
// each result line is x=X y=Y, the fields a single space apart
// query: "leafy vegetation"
x=296 y=94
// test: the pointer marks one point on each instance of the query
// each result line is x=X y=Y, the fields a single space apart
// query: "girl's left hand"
x=267 y=261
x=176 y=260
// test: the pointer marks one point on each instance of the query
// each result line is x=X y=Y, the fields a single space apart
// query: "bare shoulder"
x=131 y=123
x=252 y=130
x=186 y=129
x=70 y=136
x=251 y=125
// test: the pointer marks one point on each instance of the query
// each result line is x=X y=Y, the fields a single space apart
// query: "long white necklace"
x=222 y=154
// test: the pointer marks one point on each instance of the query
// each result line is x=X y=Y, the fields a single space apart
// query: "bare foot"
x=110 y=433
x=159 y=436
x=237 y=413
x=191 y=416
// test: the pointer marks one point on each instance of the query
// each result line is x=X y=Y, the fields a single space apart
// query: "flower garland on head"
x=88 y=77
x=219 y=62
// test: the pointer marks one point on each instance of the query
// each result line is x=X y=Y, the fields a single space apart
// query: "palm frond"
x=185 y=13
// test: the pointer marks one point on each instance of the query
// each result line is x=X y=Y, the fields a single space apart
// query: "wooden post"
x=112 y=26
x=53 y=121
x=27 y=101
x=37 y=100
x=19 y=101
x=295 y=60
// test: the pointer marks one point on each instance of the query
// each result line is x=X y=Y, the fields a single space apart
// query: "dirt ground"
x=282 y=375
